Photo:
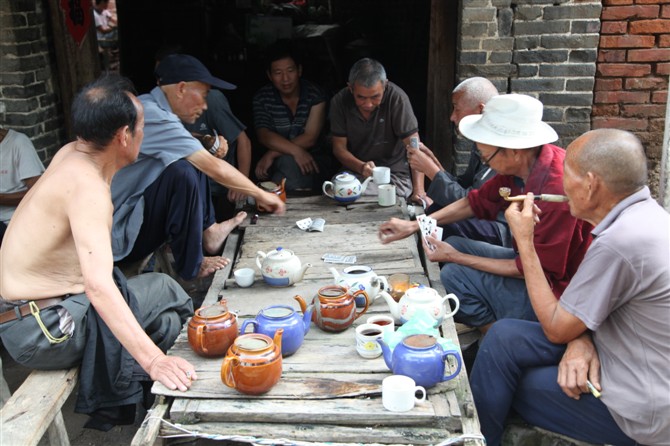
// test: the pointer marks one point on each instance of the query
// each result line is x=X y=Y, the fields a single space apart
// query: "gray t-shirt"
x=622 y=293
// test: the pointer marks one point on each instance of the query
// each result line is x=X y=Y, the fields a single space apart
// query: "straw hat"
x=512 y=121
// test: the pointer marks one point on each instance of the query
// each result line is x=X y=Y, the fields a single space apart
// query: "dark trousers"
x=177 y=209
x=517 y=367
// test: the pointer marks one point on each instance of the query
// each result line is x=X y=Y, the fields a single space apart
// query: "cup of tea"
x=381 y=174
x=386 y=195
x=399 y=393
x=399 y=283
x=366 y=340
x=386 y=323
x=244 y=277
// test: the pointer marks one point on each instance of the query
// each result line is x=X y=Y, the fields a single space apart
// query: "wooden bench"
x=35 y=408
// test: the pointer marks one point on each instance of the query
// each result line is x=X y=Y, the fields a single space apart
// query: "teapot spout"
x=301 y=273
x=335 y=273
x=393 y=305
x=388 y=354
x=306 y=313
x=365 y=184
x=302 y=303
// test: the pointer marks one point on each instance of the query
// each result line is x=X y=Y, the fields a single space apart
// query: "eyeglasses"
x=488 y=160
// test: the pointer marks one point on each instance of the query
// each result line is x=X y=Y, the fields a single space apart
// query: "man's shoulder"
x=265 y=94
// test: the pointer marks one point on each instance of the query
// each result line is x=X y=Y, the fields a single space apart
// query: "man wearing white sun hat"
x=488 y=279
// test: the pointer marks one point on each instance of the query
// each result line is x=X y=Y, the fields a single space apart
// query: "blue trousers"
x=517 y=368
x=177 y=209
x=484 y=297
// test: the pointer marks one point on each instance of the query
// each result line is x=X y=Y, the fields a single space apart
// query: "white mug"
x=386 y=195
x=399 y=393
x=366 y=340
x=381 y=175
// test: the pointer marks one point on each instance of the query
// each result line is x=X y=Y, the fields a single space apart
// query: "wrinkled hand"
x=579 y=363
x=262 y=170
x=423 y=160
x=306 y=162
x=421 y=198
x=522 y=218
x=235 y=196
x=366 y=170
x=438 y=251
x=173 y=372
x=223 y=148
x=396 y=229
x=269 y=202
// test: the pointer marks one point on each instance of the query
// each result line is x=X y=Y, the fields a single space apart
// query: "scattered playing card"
x=307 y=224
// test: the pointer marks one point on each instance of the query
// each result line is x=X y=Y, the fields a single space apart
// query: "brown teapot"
x=253 y=364
x=212 y=330
x=335 y=307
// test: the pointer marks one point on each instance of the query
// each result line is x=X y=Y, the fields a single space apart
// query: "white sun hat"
x=511 y=121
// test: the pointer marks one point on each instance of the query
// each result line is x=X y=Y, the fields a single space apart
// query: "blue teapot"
x=422 y=358
x=274 y=317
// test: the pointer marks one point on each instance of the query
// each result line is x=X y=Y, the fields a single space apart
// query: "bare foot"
x=210 y=265
x=215 y=235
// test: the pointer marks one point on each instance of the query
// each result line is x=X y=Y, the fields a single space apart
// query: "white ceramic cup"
x=399 y=393
x=386 y=194
x=244 y=277
x=381 y=175
x=366 y=340
x=386 y=323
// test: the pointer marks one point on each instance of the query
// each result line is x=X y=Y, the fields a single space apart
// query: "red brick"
x=651 y=2
x=665 y=12
x=659 y=97
x=617 y=2
x=612 y=56
x=605 y=110
x=608 y=84
x=645 y=83
x=663 y=68
x=653 y=55
x=629 y=12
x=643 y=111
x=627 y=41
x=614 y=27
x=623 y=70
x=621 y=97
x=620 y=123
x=659 y=26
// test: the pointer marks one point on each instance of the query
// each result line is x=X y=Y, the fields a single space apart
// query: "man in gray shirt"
x=613 y=315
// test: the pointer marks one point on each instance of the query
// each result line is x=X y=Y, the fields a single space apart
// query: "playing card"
x=304 y=223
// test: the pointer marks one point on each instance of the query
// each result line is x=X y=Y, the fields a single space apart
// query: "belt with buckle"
x=24 y=310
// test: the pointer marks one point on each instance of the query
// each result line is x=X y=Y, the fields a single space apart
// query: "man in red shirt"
x=488 y=280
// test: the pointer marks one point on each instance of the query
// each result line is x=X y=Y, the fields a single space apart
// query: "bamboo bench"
x=35 y=408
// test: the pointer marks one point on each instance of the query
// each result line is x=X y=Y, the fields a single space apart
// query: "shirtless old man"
x=58 y=243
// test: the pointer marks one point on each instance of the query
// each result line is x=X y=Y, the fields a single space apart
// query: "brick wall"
x=28 y=99
x=543 y=48
x=631 y=89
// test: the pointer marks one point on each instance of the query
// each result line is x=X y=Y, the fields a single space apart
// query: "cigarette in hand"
x=592 y=389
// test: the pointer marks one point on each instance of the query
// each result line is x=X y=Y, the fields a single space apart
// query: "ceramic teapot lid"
x=345 y=176
x=213 y=311
x=420 y=341
x=281 y=254
x=269 y=186
x=252 y=343
x=277 y=312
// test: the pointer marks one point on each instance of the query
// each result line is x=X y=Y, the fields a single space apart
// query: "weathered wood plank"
x=332 y=434
x=148 y=432
x=351 y=411
x=229 y=251
x=29 y=412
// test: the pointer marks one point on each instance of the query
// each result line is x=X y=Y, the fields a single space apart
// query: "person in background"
x=164 y=196
x=20 y=168
x=489 y=279
x=609 y=332
x=64 y=303
x=371 y=122
x=468 y=98
x=106 y=31
x=289 y=117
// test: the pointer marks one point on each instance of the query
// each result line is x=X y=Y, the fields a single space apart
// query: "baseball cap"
x=177 y=68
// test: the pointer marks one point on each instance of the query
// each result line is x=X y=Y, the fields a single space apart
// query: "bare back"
x=41 y=256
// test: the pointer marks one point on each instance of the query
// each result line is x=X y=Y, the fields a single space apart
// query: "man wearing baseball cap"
x=164 y=196
x=488 y=279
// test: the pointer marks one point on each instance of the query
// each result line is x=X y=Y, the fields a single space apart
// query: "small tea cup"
x=244 y=277
x=385 y=323
x=399 y=393
x=366 y=340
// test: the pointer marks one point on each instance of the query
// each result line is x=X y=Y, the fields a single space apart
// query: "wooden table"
x=327 y=393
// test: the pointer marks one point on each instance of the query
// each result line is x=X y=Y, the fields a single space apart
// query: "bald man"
x=613 y=315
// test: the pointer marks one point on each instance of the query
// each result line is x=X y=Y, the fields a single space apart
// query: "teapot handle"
x=459 y=364
x=384 y=286
x=325 y=186
x=229 y=362
x=367 y=303
x=200 y=336
x=260 y=255
x=456 y=306
x=252 y=322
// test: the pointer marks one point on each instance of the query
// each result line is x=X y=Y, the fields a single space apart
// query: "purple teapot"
x=421 y=358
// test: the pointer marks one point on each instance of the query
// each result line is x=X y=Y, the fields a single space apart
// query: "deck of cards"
x=428 y=226
x=336 y=258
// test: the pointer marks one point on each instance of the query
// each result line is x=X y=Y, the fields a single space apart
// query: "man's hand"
x=306 y=162
x=172 y=371
x=396 y=229
x=579 y=363
x=366 y=169
x=263 y=167
x=437 y=250
x=222 y=151
x=235 y=196
x=522 y=221
x=423 y=160
x=269 y=202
